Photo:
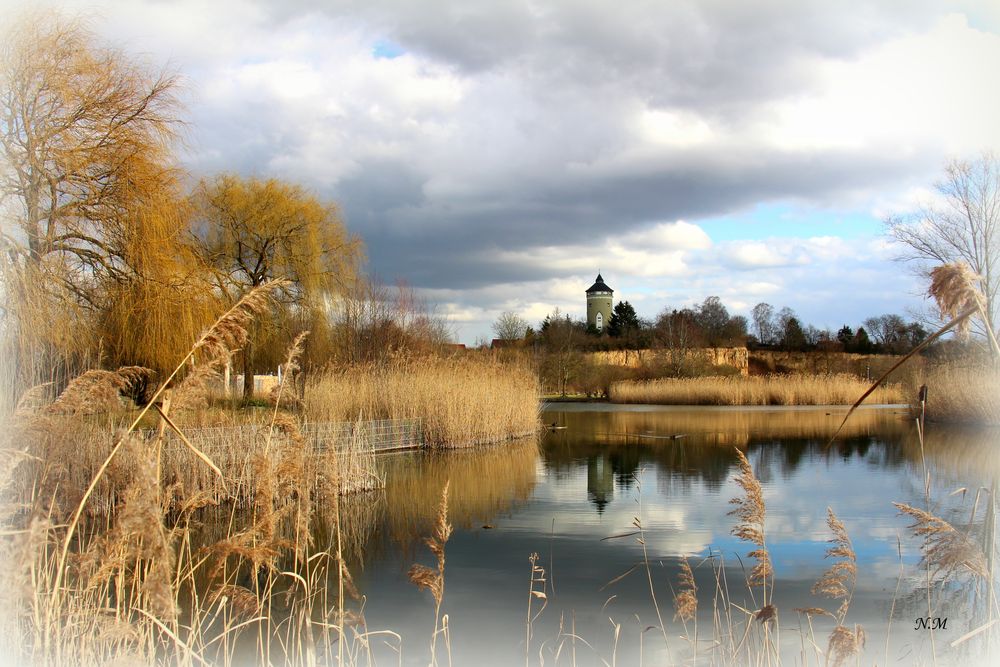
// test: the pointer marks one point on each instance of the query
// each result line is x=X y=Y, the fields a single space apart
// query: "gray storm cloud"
x=464 y=141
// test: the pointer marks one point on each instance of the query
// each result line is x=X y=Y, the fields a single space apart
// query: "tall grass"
x=462 y=401
x=768 y=390
x=963 y=394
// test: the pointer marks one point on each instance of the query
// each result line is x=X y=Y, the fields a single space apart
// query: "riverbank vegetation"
x=769 y=390
x=962 y=393
x=460 y=400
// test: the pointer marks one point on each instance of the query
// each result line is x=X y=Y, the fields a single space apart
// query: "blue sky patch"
x=383 y=48
x=782 y=219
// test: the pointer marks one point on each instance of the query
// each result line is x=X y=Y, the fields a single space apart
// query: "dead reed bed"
x=144 y=582
x=63 y=453
x=139 y=589
x=461 y=401
x=963 y=393
x=98 y=522
x=766 y=390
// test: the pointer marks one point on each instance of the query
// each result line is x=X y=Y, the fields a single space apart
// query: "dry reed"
x=98 y=391
x=953 y=288
x=963 y=393
x=750 y=511
x=840 y=578
x=845 y=644
x=461 y=401
x=686 y=600
x=432 y=579
x=758 y=390
x=945 y=549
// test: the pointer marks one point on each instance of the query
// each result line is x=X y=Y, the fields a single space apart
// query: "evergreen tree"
x=846 y=336
x=623 y=320
x=862 y=343
x=793 y=337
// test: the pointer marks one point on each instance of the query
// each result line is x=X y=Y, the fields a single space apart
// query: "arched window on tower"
x=599 y=321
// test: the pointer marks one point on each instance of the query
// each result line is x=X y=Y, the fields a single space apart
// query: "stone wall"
x=736 y=357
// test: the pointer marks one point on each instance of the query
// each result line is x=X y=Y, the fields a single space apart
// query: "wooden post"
x=159 y=433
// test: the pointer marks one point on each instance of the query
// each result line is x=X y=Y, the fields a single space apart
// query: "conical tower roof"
x=599 y=286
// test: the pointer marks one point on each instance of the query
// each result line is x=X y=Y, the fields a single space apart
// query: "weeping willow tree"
x=93 y=265
x=152 y=312
x=251 y=231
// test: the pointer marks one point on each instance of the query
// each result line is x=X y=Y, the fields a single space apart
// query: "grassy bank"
x=766 y=390
x=462 y=401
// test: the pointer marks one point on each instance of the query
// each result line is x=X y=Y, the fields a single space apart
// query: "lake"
x=568 y=495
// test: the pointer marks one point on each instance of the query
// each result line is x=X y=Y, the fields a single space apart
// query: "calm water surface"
x=564 y=495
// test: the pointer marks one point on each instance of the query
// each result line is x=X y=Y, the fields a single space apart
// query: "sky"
x=496 y=155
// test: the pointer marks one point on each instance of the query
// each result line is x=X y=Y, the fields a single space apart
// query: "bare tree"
x=677 y=331
x=86 y=133
x=372 y=322
x=561 y=339
x=510 y=326
x=962 y=225
x=763 y=322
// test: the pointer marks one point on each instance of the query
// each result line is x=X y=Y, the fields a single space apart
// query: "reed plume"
x=840 y=578
x=33 y=399
x=423 y=576
x=844 y=644
x=945 y=548
x=953 y=288
x=433 y=579
x=98 y=391
x=686 y=600
x=231 y=331
x=750 y=511
x=241 y=600
x=278 y=395
x=193 y=392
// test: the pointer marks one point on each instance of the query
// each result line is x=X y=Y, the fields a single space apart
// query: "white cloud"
x=678 y=235
x=924 y=88
x=758 y=254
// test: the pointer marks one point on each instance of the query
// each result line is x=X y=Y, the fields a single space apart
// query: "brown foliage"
x=87 y=133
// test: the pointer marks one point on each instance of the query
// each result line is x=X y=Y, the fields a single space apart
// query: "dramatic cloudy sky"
x=496 y=155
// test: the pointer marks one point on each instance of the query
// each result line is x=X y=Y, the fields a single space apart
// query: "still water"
x=568 y=494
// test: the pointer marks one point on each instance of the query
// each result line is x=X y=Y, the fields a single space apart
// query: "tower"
x=599 y=304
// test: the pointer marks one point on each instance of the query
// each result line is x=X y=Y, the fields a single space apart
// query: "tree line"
x=710 y=324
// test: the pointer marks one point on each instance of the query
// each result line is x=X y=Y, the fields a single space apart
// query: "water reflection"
x=561 y=497
x=485 y=482
x=697 y=443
